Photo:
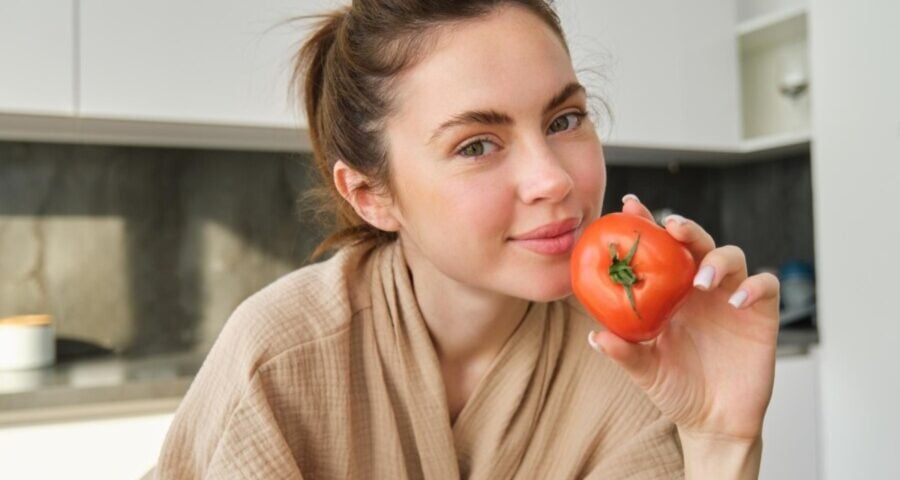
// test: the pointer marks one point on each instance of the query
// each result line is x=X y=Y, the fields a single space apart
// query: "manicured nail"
x=704 y=277
x=592 y=343
x=738 y=298
x=631 y=196
x=678 y=218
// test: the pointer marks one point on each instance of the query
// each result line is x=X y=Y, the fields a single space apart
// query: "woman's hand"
x=711 y=370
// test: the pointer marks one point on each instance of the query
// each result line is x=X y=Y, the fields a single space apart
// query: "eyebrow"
x=493 y=117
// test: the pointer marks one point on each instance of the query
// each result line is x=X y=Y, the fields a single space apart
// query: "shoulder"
x=311 y=303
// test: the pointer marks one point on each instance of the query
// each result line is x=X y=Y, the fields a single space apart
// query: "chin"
x=547 y=289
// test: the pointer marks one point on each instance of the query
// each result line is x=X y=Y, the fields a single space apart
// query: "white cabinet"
x=791 y=428
x=204 y=61
x=216 y=73
x=117 y=448
x=668 y=69
x=37 y=57
x=775 y=74
x=153 y=66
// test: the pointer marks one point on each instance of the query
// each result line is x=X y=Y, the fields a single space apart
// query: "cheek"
x=478 y=209
x=588 y=171
x=460 y=225
x=458 y=211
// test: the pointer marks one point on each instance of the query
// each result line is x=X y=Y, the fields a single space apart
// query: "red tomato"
x=631 y=275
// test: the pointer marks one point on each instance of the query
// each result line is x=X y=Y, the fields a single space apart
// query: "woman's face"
x=468 y=186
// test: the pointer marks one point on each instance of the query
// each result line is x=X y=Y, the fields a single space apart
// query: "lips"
x=550 y=230
x=553 y=239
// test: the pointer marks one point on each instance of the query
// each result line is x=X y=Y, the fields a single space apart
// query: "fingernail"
x=704 y=277
x=592 y=343
x=678 y=218
x=738 y=298
x=631 y=196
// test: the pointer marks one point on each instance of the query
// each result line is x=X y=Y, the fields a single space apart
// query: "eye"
x=477 y=148
x=565 y=122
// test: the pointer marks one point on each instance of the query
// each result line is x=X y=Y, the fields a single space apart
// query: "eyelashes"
x=578 y=118
x=470 y=149
x=478 y=147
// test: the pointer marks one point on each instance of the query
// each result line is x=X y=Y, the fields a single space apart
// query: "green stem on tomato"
x=621 y=272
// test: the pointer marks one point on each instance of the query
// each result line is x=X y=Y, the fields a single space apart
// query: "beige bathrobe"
x=330 y=373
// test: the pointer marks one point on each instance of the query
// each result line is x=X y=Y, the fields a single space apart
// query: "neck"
x=467 y=324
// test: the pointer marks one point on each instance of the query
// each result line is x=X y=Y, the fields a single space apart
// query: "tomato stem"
x=621 y=272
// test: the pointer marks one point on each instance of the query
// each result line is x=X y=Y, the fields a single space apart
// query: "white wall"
x=856 y=189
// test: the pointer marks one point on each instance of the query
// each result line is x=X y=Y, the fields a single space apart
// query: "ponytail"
x=314 y=59
x=345 y=69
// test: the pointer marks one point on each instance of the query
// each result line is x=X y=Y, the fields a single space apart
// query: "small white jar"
x=27 y=341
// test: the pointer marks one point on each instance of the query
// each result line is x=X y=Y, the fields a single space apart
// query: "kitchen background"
x=148 y=250
x=151 y=165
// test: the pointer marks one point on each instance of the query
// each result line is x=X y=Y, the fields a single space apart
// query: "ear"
x=372 y=206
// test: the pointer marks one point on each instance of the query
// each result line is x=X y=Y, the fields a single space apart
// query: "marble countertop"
x=117 y=386
x=95 y=388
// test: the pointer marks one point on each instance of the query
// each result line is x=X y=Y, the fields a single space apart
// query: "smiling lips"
x=552 y=239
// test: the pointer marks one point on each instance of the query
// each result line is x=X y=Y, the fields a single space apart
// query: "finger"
x=640 y=360
x=632 y=204
x=762 y=289
x=724 y=266
x=691 y=234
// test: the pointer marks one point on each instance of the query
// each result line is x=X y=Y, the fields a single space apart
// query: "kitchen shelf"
x=776 y=145
x=774 y=78
x=148 y=133
x=769 y=28
x=776 y=141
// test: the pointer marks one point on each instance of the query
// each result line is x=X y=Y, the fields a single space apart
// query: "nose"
x=542 y=175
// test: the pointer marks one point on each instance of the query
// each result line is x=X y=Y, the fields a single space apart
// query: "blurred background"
x=151 y=163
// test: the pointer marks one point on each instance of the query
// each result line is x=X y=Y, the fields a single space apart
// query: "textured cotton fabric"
x=330 y=373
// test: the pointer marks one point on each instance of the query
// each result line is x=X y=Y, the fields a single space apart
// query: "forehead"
x=507 y=60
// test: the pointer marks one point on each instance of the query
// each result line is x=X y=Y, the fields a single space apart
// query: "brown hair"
x=346 y=68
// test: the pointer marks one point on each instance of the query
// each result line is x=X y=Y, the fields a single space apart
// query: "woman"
x=441 y=339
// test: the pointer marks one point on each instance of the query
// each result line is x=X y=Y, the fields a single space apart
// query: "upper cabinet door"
x=203 y=61
x=37 y=57
x=667 y=69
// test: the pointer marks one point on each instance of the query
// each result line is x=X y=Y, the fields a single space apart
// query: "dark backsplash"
x=184 y=235
x=145 y=249
x=763 y=207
